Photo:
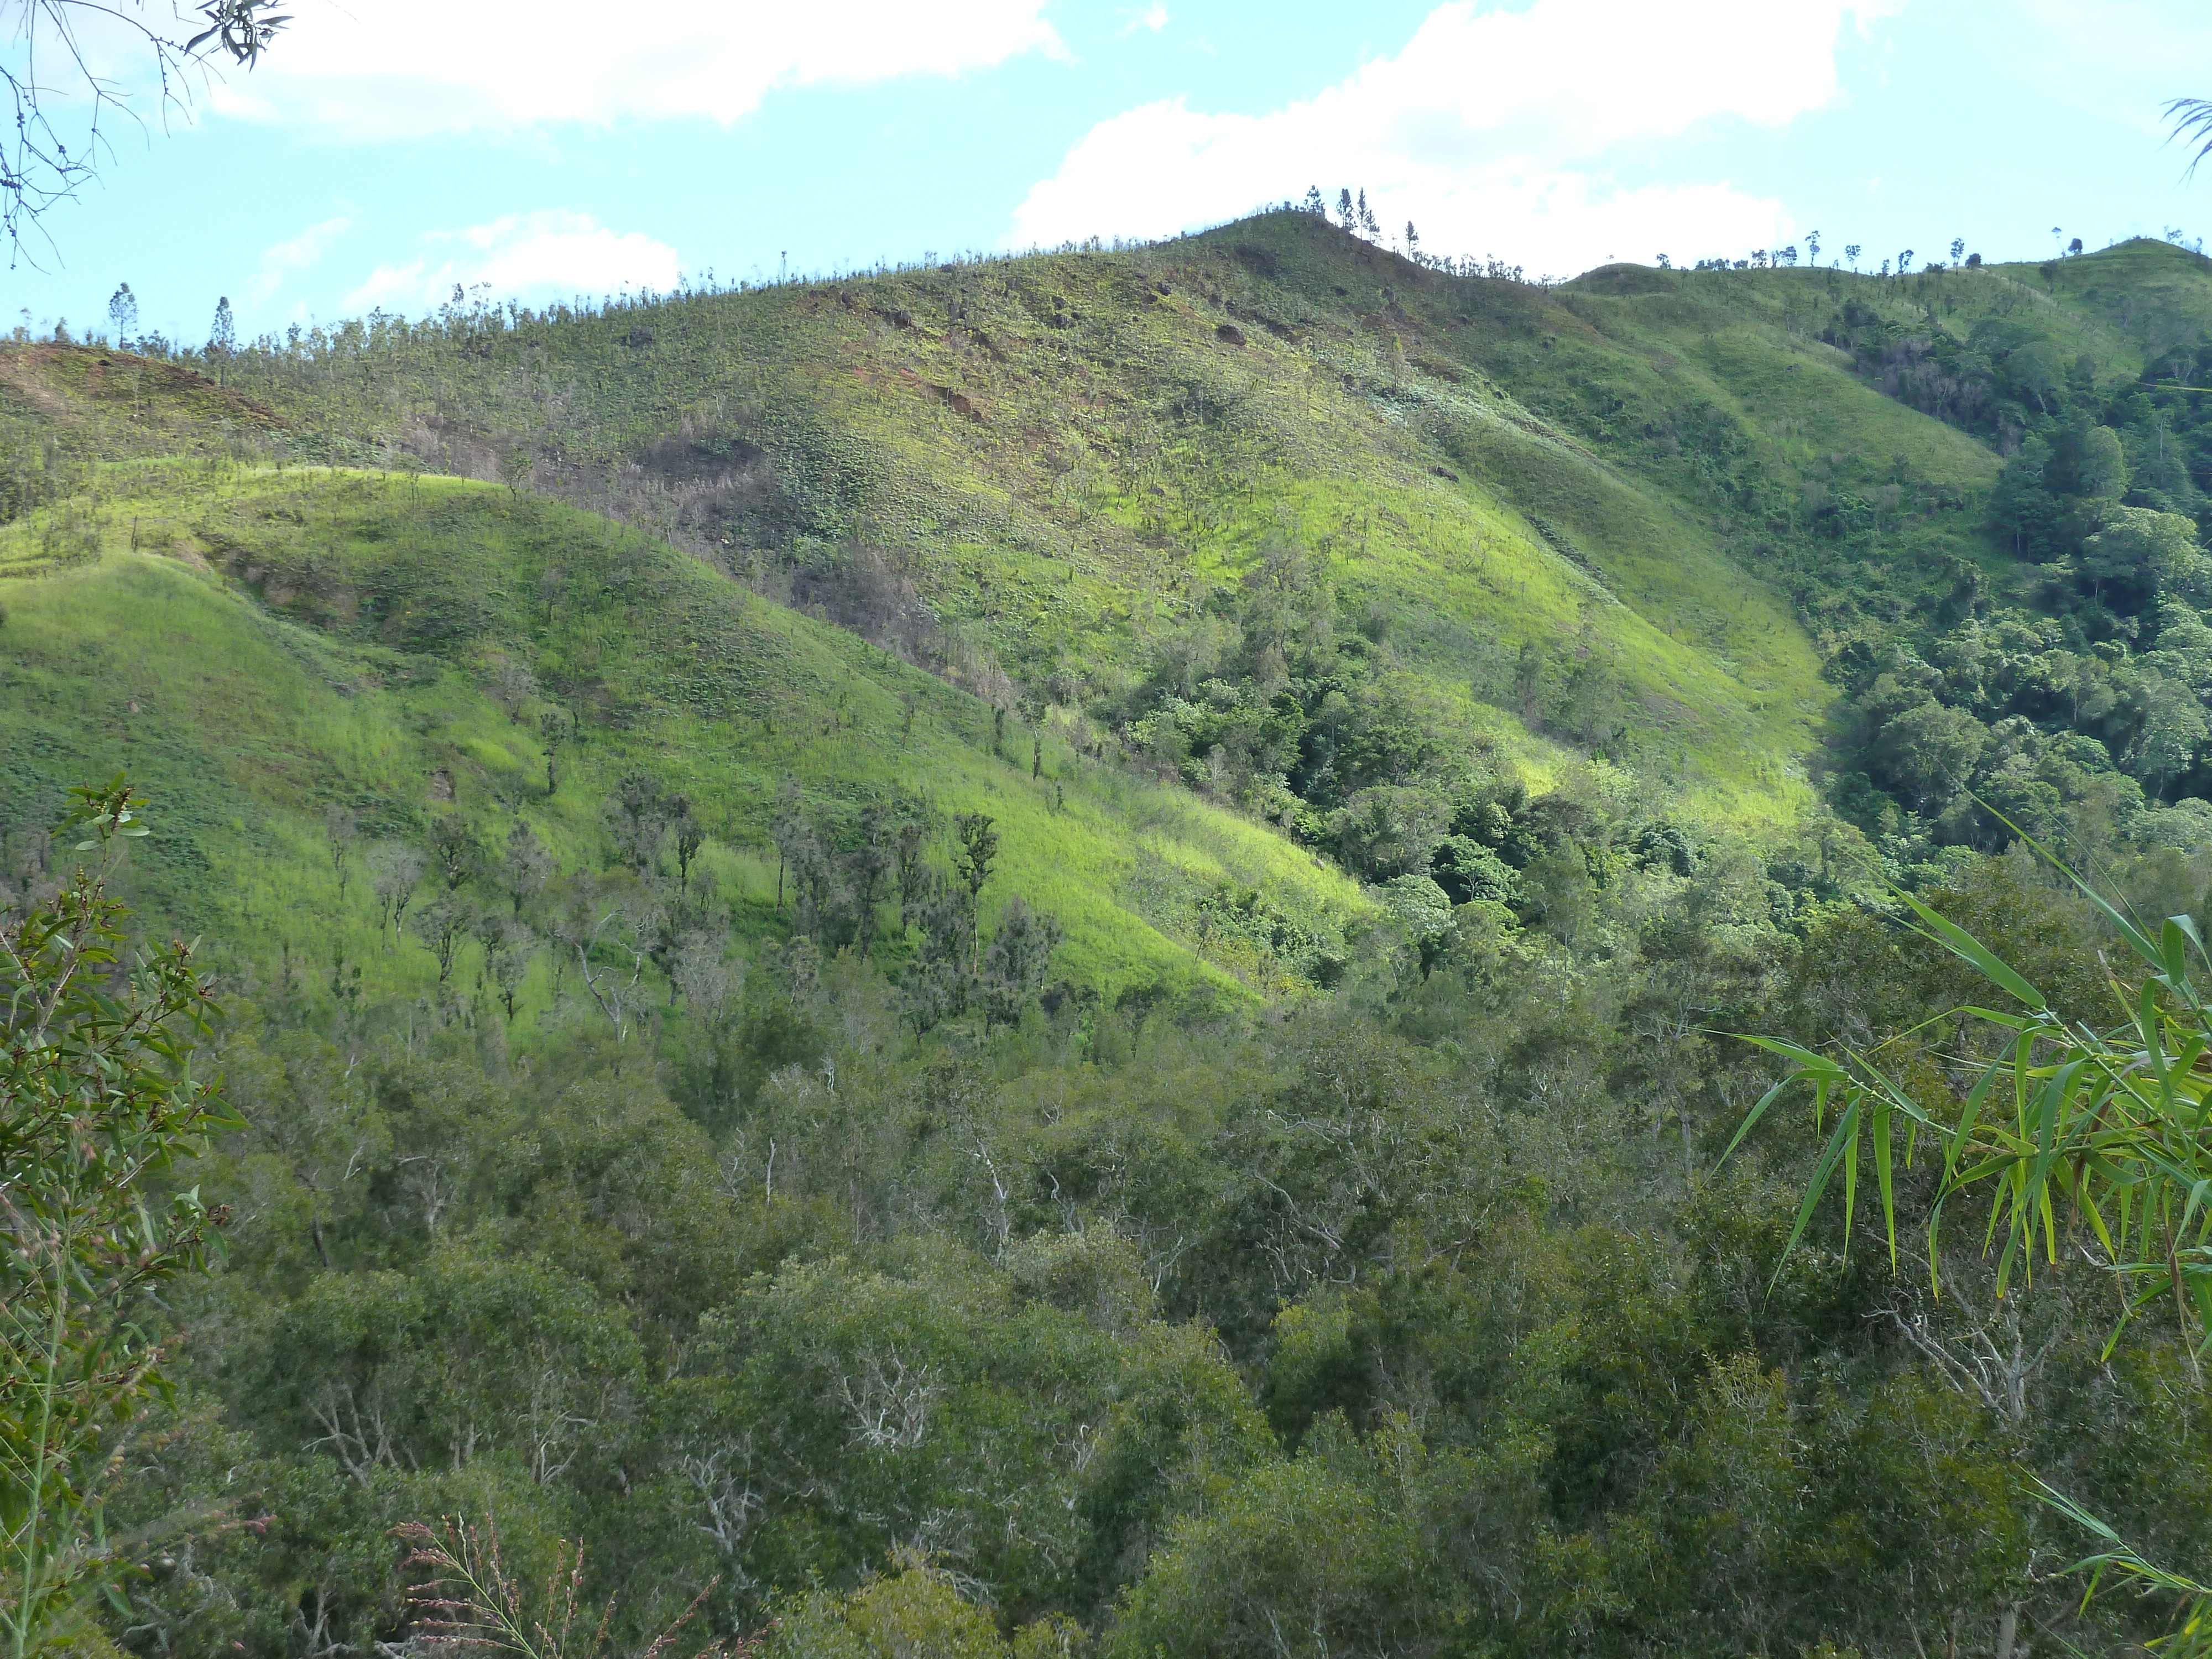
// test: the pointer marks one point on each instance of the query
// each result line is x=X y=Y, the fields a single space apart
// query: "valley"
x=1045 y=955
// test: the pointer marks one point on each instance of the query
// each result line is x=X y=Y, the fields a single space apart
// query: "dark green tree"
x=555 y=727
x=867 y=864
x=441 y=925
x=638 y=815
x=1015 y=967
x=687 y=835
x=455 y=852
x=978 y=846
x=223 y=337
x=525 y=866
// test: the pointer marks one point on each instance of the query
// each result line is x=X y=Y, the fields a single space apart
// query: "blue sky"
x=390 y=148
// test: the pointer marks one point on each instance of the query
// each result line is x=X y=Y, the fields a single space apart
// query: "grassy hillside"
x=1311 y=535
x=1626 y=518
x=1041 y=472
x=282 y=643
x=669 y=1126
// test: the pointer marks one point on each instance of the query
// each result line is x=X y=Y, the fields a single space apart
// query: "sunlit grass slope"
x=1066 y=454
x=282 y=642
x=2118 y=312
x=1056 y=459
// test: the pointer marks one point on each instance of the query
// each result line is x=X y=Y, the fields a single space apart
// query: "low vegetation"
x=1047 y=957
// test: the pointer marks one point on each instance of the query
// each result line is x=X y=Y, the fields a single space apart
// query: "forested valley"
x=1051 y=956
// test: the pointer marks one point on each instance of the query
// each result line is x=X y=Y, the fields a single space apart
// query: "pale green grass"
x=249 y=721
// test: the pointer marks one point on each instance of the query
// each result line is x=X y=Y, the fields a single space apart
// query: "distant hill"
x=1253 y=546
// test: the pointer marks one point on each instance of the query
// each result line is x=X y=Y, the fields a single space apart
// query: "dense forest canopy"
x=1043 y=955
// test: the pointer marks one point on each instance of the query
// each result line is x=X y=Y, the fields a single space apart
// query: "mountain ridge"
x=1162 y=504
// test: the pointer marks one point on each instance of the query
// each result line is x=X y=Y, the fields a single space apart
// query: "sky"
x=387 y=150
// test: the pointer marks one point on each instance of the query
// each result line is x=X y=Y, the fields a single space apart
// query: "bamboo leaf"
x=1823 y=1173
x=1808 y=1062
x=1970 y=949
x=1882 y=1174
x=2174 y=953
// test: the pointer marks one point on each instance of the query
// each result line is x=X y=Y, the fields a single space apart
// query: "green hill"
x=1337 y=543
x=278 y=645
x=1027 y=958
x=1072 y=461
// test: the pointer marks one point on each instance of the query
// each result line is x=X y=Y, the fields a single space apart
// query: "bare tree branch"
x=46 y=69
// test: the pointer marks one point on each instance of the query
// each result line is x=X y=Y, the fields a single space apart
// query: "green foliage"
x=98 y=1103
x=989 y=966
x=918 y=1611
x=2100 y=1127
x=2095 y=634
x=1126 y=1319
x=2066 y=1125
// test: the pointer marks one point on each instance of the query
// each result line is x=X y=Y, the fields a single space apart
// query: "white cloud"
x=405 y=69
x=1494 y=129
x=300 y=253
x=1154 y=17
x=553 y=254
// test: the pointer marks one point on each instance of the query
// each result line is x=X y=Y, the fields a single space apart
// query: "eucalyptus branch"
x=98 y=1091
x=39 y=169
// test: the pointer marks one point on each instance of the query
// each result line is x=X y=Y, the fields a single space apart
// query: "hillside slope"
x=260 y=647
x=1626 y=518
x=1052 y=473
x=1329 y=538
x=674 y=1145
x=2064 y=676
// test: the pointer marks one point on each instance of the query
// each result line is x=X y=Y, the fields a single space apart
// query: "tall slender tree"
x=222 y=335
x=978 y=849
x=123 y=316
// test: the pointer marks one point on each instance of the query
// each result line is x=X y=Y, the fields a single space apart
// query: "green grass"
x=1062 y=456
x=1066 y=460
x=307 y=640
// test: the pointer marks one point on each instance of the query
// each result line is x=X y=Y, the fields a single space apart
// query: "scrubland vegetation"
x=1046 y=955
